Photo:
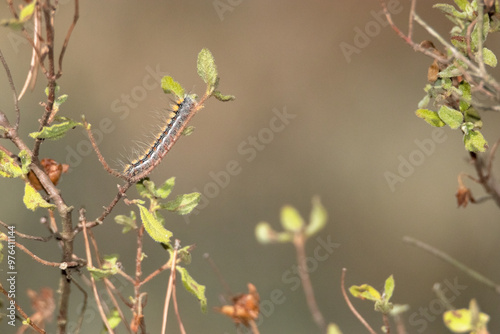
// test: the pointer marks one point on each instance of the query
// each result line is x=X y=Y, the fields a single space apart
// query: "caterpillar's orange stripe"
x=167 y=137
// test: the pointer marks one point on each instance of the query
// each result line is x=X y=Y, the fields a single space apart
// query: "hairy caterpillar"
x=182 y=111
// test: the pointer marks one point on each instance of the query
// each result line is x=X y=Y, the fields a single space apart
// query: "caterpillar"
x=181 y=113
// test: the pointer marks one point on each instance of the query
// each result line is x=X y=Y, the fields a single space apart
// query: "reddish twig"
x=351 y=307
x=68 y=35
x=92 y=280
x=170 y=287
x=299 y=243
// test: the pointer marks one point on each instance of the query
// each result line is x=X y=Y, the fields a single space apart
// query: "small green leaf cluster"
x=153 y=223
x=25 y=14
x=207 y=70
x=293 y=223
x=18 y=168
x=467 y=320
x=450 y=89
x=151 y=217
x=382 y=301
x=109 y=267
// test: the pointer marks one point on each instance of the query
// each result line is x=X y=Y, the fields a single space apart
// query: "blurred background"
x=325 y=100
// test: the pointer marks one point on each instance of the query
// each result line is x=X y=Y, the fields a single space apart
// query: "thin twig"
x=84 y=307
x=107 y=210
x=387 y=326
x=176 y=308
x=299 y=243
x=13 y=89
x=70 y=264
x=26 y=236
x=170 y=287
x=167 y=265
x=138 y=273
x=98 y=152
x=459 y=265
x=253 y=326
x=68 y=36
x=89 y=265
x=351 y=307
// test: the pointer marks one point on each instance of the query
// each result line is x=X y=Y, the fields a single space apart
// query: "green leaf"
x=365 y=291
x=33 y=200
x=13 y=24
x=389 y=288
x=291 y=220
x=475 y=142
x=27 y=12
x=56 y=131
x=318 y=218
x=462 y=4
x=25 y=161
x=264 y=233
x=430 y=117
x=129 y=223
x=193 y=287
x=452 y=117
x=147 y=188
x=183 y=204
x=450 y=72
x=56 y=90
x=472 y=116
x=169 y=85
x=489 y=57
x=207 y=69
x=10 y=168
x=450 y=10
x=188 y=130
x=183 y=254
x=154 y=227
x=224 y=98
x=60 y=100
x=424 y=102
x=109 y=267
x=333 y=329
x=166 y=188
x=113 y=320
x=460 y=321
